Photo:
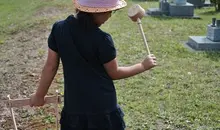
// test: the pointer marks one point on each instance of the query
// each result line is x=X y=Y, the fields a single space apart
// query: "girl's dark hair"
x=85 y=20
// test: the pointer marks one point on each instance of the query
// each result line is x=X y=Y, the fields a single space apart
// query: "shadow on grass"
x=165 y=17
x=209 y=13
x=213 y=55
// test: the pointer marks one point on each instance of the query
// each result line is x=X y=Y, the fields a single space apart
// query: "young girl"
x=89 y=64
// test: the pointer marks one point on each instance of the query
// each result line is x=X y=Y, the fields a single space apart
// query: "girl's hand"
x=149 y=62
x=36 y=101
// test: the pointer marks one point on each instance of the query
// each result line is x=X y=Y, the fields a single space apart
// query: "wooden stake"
x=12 y=112
x=56 y=110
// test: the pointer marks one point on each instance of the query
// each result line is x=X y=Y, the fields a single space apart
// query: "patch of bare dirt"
x=22 y=57
x=48 y=12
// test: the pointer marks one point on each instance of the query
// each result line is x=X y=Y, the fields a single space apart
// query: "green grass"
x=182 y=92
x=20 y=15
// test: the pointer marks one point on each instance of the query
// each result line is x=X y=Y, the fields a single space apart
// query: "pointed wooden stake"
x=56 y=110
x=12 y=112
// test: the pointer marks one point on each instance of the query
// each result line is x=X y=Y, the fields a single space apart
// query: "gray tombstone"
x=201 y=43
x=176 y=8
x=200 y=3
x=181 y=9
x=197 y=3
x=209 y=42
x=218 y=23
x=180 y=2
x=164 y=7
x=213 y=32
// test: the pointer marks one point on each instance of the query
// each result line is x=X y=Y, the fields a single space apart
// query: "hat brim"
x=120 y=5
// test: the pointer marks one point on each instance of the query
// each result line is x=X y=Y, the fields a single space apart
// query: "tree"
x=217 y=4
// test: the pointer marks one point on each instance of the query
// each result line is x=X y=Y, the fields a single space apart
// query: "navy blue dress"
x=90 y=100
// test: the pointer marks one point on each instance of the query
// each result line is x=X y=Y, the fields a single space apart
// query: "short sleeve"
x=107 y=51
x=51 y=40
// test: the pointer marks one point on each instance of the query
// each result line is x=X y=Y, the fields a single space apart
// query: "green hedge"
x=217 y=4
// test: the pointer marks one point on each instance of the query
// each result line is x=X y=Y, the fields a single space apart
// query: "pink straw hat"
x=98 y=6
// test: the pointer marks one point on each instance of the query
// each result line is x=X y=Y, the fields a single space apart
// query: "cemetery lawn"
x=182 y=92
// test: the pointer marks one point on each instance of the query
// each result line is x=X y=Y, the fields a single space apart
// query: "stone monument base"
x=178 y=14
x=154 y=12
x=201 y=43
x=182 y=10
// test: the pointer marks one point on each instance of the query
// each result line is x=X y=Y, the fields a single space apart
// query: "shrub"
x=217 y=4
